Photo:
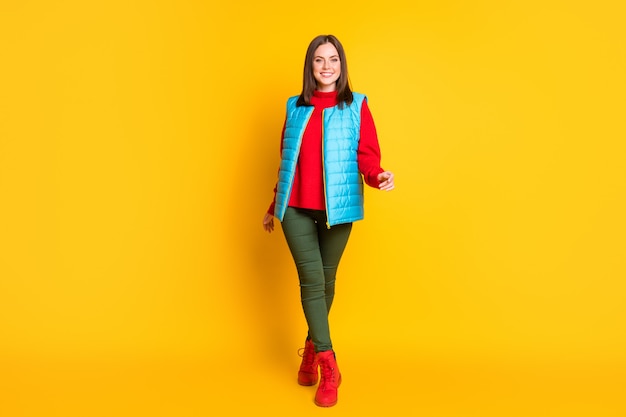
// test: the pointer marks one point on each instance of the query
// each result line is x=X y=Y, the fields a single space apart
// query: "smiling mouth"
x=326 y=74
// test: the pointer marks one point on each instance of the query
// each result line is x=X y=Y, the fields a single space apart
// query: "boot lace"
x=328 y=372
x=307 y=355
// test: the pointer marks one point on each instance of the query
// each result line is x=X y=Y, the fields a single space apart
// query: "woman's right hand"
x=268 y=223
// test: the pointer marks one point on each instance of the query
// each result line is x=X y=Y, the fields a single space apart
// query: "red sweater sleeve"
x=369 y=149
x=270 y=210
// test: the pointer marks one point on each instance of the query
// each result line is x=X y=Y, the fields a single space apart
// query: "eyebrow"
x=333 y=56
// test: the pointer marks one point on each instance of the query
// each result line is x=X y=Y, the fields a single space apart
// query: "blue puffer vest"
x=343 y=184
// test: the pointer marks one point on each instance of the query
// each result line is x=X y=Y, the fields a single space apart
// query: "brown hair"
x=309 y=84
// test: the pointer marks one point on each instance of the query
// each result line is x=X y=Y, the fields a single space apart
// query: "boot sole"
x=325 y=405
x=307 y=383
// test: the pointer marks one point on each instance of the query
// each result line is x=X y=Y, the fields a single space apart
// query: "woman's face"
x=326 y=67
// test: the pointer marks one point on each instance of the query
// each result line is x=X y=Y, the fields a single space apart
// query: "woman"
x=329 y=145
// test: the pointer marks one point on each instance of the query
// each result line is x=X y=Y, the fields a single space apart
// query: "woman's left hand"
x=385 y=181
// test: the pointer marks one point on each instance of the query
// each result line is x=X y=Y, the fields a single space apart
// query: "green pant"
x=316 y=251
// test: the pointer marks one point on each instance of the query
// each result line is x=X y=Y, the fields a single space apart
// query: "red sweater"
x=308 y=184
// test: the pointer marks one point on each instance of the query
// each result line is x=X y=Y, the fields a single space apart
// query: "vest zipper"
x=324 y=174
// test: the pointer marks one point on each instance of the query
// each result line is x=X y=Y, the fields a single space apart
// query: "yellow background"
x=138 y=152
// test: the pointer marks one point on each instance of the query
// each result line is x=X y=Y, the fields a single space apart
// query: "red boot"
x=326 y=395
x=307 y=375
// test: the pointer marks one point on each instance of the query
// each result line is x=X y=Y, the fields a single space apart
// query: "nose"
x=325 y=65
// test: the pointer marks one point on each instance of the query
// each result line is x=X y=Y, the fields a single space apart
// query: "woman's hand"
x=385 y=181
x=268 y=223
